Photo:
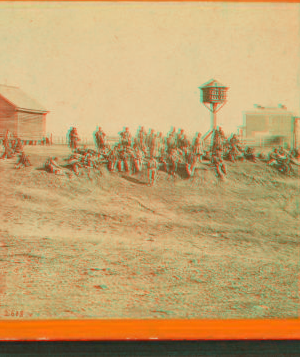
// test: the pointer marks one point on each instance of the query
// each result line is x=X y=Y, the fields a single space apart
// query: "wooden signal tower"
x=213 y=95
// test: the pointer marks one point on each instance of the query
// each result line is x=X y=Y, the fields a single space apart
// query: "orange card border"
x=154 y=329
x=143 y=330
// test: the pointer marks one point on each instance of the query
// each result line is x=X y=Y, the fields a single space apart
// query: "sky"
x=129 y=64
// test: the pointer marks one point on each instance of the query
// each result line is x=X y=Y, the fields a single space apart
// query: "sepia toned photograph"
x=149 y=160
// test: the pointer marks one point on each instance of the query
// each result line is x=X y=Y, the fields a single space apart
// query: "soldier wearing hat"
x=100 y=139
x=23 y=161
x=217 y=162
x=74 y=139
x=52 y=166
x=152 y=171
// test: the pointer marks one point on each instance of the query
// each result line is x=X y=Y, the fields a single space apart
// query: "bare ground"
x=111 y=247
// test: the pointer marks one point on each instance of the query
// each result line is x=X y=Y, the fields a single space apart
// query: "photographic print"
x=149 y=160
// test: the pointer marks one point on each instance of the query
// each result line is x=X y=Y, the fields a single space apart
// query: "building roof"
x=20 y=99
x=261 y=110
x=213 y=83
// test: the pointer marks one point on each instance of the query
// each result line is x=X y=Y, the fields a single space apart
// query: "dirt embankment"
x=111 y=247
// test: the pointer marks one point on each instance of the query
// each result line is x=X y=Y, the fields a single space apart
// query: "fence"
x=63 y=140
x=88 y=141
x=264 y=142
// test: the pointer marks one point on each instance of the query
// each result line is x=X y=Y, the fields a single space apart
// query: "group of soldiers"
x=283 y=159
x=132 y=153
x=13 y=146
x=231 y=149
x=171 y=153
x=154 y=151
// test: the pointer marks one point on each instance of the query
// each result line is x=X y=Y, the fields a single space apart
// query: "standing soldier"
x=74 y=139
x=216 y=140
x=223 y=137
x=198 y=146
x=125 y=137
x=141 y=135
x=154 y=147
x=171 y=140
x=152 y=171
x=100 y=139
x=184 y=147
x=7 y=137
x=161 y=143
x=71 y=137
x=8 y=149
x=180 y=138
x=149 y=138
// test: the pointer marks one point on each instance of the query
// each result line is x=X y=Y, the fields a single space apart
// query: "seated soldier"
x=52 y=166
x=261 y=156
x=173 y=160
x=8 y=150
x=75 y=161
x=163 y=159
x=285 y=165
x=250 y=154
x=18 y=146
x=138 y=157
x=206 y=156
x=295 y=153
x=218 y=164
x=232 y=153
x=273 y=155
x=191 y=164
x=23 y=161
x=112 y=159
x=122 y=157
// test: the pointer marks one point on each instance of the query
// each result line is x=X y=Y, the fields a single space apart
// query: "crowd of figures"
x=13 y=146
x=154 y=151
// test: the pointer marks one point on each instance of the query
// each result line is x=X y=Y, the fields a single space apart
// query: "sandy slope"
x=112 y=247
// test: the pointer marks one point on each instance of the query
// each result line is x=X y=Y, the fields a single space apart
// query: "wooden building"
x=269 y=124
x=21 y=115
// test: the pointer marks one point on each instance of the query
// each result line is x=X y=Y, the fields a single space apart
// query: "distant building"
x=21 y=115
x=271 y=124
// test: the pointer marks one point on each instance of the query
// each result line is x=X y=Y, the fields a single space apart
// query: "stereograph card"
x=149 y=161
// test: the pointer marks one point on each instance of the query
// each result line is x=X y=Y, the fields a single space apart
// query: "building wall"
x=31 y=126
x=256 y=123
x=281 y=125
x=270 y=124
x=7 y=117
